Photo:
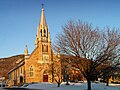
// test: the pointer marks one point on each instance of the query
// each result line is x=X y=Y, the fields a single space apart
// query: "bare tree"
x=57 y=72
x=91 y=50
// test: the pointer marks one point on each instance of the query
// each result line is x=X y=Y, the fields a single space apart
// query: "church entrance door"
x=21 y=79
x=45 y=78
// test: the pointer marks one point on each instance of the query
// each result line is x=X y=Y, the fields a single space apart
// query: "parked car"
x=2 y=84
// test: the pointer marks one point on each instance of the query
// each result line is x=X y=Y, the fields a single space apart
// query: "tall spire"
x=43 y=23
x=42 y=30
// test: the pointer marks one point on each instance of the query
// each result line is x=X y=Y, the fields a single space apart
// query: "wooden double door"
x=45 y=78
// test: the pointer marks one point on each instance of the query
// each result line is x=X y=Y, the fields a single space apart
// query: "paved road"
x=19 y=89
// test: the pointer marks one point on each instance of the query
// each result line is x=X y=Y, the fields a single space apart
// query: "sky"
x=19 y=19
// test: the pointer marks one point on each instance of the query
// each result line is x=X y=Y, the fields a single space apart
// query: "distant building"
x=38 y=66
x=68 y=71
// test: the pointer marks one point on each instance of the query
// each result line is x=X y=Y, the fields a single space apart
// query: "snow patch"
x=72 y=86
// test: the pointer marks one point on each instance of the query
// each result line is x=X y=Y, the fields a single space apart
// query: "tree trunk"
x=89 y=84
x=67 y=79
x=67 y=83
x=58 y=84
x=107 y=81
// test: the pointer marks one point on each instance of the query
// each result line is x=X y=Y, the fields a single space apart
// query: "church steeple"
x=42 y=30
x=43 y=23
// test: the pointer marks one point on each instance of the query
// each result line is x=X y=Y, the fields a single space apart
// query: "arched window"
x=44 y=32
x=31 y=71
x=41 y=32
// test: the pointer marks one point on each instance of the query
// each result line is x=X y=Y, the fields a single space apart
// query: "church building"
x=39 y=66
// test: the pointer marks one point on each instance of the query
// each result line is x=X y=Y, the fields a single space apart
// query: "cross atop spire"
x=42 y=5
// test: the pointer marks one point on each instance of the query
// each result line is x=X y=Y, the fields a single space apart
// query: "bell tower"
x=43 y=41
x=42 y=31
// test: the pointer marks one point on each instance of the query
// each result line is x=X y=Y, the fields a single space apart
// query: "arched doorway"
x=21 y=79
x=45 y=77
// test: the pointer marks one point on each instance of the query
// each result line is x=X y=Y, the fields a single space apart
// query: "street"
x=18 y=89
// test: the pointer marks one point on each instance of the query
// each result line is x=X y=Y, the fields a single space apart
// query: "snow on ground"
x=72 y=86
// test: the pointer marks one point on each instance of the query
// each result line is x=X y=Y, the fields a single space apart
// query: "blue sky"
x=19 y=19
